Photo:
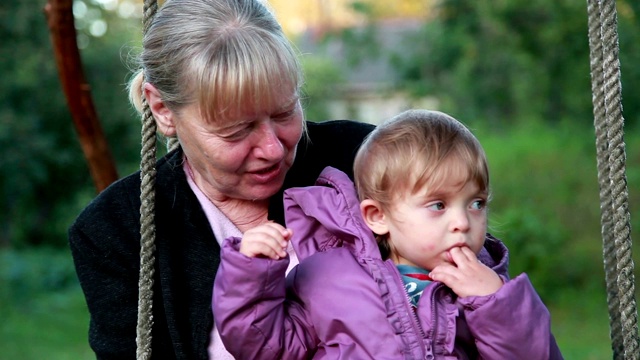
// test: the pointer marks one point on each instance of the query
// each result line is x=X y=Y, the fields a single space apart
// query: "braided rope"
x=149 y=10
x=172 y=144
x=147 y=216
x=595 y=45
x=615 y=218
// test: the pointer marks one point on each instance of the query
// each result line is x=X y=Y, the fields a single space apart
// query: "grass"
x=52 y=326
x=42 y=308
x=580 y=323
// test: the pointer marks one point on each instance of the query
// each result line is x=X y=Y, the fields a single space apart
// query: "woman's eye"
x=284 y=115
x=236 y=135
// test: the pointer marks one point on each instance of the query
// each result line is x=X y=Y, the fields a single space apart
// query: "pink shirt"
x=222 y=228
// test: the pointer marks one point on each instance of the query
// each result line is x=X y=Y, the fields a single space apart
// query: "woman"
x=221 y=77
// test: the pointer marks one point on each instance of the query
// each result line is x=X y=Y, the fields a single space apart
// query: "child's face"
x=426 y=225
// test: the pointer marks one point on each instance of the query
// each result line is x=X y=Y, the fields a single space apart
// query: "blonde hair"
x=414 y=150
x=219 y=54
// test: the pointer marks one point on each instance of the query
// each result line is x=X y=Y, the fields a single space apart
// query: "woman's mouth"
x=267 y=174
x=267 y=170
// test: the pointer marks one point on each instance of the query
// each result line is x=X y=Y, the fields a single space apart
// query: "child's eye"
x=478 y=204
x=436 y=206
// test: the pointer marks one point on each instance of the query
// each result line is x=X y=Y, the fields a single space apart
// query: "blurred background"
x=516 y=72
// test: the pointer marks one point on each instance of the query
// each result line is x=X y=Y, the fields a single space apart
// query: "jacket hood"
x=495 y=255
x=327 y=215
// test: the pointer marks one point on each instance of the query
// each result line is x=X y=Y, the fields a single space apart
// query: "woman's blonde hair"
x=221 y=55
x=414 y=150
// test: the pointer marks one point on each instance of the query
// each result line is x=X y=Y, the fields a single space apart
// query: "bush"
x=24 y=275
x=546 y=205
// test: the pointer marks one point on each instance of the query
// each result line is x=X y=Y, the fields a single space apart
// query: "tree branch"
x=94 y=145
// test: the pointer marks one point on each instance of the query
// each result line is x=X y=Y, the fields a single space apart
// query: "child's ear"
x=162 y=114
x=374 y=216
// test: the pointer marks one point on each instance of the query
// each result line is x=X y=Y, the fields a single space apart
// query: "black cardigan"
x=105 y=244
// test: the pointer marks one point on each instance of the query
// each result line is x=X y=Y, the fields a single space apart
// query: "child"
x=431 y=284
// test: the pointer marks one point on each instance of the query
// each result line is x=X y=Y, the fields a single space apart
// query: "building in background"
x=297 y=16
x=369 y=91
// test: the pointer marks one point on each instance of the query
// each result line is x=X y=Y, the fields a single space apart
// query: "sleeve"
x=104 y=243
x=254 y=317
x=513 y=323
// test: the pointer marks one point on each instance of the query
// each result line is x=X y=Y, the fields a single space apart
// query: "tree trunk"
x=60 y=19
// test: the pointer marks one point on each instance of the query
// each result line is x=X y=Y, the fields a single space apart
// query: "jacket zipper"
x=427 y=349
x=434 y=328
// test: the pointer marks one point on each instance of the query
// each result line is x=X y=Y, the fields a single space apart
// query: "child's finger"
x=271 y=230
x=265 y=246
x=268 y=240
x=263 y=243
x=462 y=255
x=445 y=273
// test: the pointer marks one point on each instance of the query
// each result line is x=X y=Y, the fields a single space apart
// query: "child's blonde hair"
x=414 y=150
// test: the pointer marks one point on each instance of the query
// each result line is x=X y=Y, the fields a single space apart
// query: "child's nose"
x=460 y=221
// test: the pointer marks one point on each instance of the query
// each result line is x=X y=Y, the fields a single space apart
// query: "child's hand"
x=467 y=276
x=268 y=240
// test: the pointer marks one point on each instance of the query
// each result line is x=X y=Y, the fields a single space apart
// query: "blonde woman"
x=220 y=76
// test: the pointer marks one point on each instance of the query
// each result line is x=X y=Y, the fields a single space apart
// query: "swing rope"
x=147 y=214
x=611 y=162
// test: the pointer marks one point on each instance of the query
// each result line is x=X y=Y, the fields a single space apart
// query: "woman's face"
x=247 y=155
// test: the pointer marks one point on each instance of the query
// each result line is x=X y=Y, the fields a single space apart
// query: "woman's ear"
x=374 y=216
x=163 y=115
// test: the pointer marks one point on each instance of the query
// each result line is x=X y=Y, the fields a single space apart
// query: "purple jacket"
x=344 y=302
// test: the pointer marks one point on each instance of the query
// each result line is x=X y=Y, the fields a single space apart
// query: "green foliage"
x=506 y=61
x=546 y=205
x=23 y=274
x=322 y=77
x=41 y=151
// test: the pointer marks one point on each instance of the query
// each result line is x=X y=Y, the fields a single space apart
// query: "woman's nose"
x=268 y=144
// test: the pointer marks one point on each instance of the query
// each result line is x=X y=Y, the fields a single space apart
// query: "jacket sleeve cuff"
x=511 y=323
x=247 y=276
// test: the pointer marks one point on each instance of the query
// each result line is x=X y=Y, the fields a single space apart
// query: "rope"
x=603 y=175
x=147 y=218
x=172 y=144
x=149 y=10
x=611 y=159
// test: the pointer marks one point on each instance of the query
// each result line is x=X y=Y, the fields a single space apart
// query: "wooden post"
x=59 y=14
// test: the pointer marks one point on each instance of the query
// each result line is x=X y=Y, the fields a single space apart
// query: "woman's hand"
x=267 y=240
x=465 y=275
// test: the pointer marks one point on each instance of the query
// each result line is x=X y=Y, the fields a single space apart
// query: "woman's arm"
x=104 y=244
